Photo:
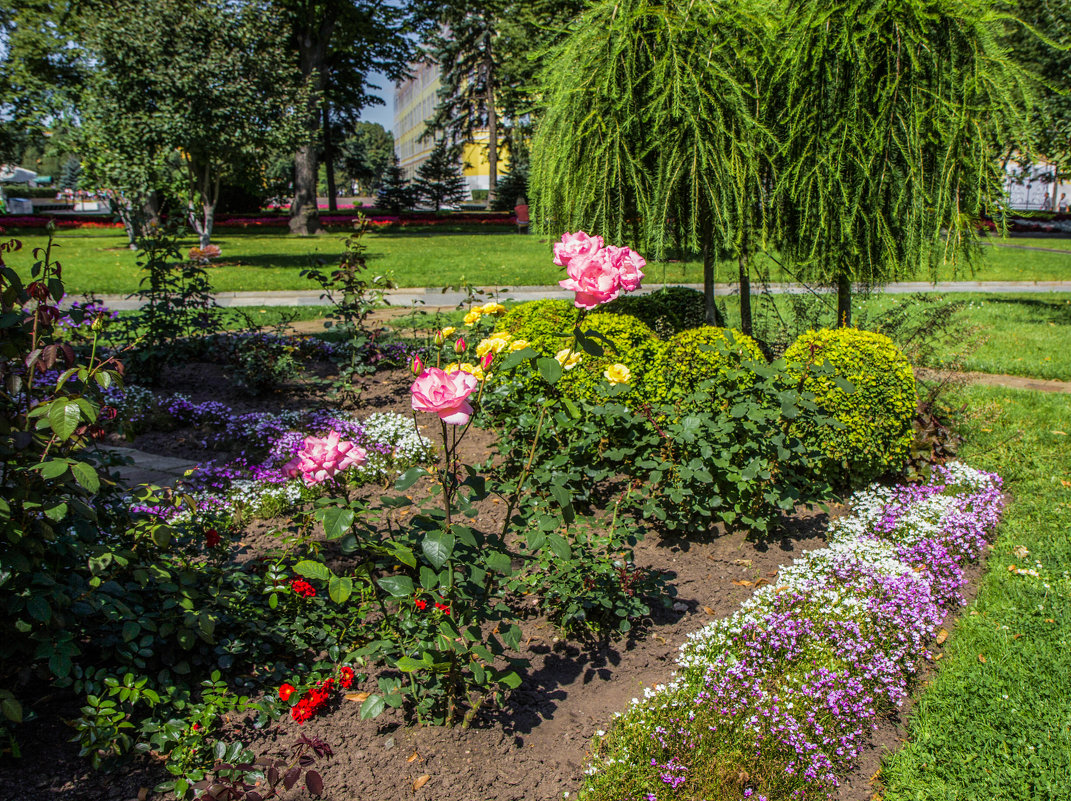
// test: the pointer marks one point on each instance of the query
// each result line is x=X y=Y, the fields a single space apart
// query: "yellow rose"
x=518 y=344
x=472 y=317
x=447 y=331
x=617 y=374
x=495 y=342
x=492 y=308
x=465 y=367
x=567 y=358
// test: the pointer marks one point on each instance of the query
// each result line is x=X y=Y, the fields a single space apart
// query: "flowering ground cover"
x=776 y=700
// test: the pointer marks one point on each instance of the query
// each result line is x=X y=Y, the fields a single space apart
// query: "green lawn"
x=995 y=722
x=98 y=261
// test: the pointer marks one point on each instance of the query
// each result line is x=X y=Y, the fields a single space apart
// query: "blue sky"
x=384 y=114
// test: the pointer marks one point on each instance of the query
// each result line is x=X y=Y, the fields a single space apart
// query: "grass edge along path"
x=995 y=723
x=777 y=700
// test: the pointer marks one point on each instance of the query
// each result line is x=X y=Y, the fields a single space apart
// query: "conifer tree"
x=70 y=173
x=439 y=178
x=394 y=193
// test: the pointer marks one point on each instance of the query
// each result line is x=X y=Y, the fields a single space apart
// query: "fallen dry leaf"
x=1049 y=620
x=709 y=611
x=760 y=582
x=358 y=697
x=1065 y=483
x=771 y=574
x=742 y=562
x=1012 y=568
x=143 y=793
x=742 y=583
x=981 y=659
x=421 y=782
x=1060 y=433
x=1021 y=552
x=413 y=757
x=942 y=635
x=939 y=656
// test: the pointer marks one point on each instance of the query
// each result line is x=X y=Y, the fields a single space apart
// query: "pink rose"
x=444 y=394
x=595 y=280
x=321 y=458
x=573 y=245
x=630 y=266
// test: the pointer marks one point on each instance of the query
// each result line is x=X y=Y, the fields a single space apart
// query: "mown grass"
x=995 y=723
x=98 y=261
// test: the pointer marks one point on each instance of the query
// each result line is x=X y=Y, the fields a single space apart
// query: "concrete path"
x=149 y=468
x=429 y=298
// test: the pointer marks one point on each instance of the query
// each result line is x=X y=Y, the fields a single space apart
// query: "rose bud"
x=460 y=346
x=487 y=359
x=417 y=366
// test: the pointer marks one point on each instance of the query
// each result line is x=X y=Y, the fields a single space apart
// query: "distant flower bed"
x=269 y=220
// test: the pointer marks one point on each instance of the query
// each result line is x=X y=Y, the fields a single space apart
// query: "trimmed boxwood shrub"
x=694 y=356
x=876 y=416
x=634 y=345
x=541 y=322
x=667 y=311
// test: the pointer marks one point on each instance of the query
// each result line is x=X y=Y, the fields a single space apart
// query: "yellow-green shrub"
x=541 y=322
x=633 y=345
x=694 y=356
x=667 y=311
x=876 y=417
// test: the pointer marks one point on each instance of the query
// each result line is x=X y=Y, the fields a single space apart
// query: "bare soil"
x=535 y=748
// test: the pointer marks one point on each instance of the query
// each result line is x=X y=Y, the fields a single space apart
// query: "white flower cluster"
x=401 y=433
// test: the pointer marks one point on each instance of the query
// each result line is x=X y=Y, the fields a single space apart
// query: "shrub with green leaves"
x=624 y=340
x=694 y=357
x=870 y=391
x=668 y=311
x=541 y=323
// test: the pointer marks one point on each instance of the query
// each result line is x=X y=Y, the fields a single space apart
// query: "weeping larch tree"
x=892 y=120
x=653 y=131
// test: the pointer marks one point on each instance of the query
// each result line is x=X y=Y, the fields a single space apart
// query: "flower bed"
x=776 y=700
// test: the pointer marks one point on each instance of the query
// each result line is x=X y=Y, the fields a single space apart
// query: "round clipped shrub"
x=634 y=345
x=876 y=416
x=541 y=323
x=667 y=311
x=694 y=356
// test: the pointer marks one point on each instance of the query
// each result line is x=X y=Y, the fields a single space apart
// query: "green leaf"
x=53 y=468
x=437 y=547
x=499 y=562
x=511 y=680
x=64 y=416
x=314 y=570
x=429 y=579
x=372 y=707
x=131 y=629
x=337 y=521
x=39 y=609
x=549 y=369
x=409 y=665
x=409 y=478
x=397 y=586
x=560 y=546
x=12 y=710
x=340 y=589
x=86 y=476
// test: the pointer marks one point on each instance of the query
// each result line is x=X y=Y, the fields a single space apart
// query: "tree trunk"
x=844 y=300
x=713 y=316
x=745 y=293
x=151 y=208
x=492 y=133
x=329 y=160
x=312 y=42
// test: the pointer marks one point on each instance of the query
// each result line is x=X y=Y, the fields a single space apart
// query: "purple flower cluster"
x=798 y=677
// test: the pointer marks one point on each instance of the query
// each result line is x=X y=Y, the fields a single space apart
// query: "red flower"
x=196 y=726
x=286 y=690
x=346 y=677
x=311 y=702
x=421 y=605
x=212 y=538
x=303 y=588
x=444 y=608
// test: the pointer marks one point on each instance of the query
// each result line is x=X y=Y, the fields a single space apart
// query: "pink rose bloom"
x=321 y=458
x=573 y=245
x=630 y=266
x=445 y=394
x=595 y=280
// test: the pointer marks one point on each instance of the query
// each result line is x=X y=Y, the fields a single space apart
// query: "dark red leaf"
x=291 y=777
x=273 y=775
x=315 y=783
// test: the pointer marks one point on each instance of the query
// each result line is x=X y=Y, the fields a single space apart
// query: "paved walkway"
x=149 y=468
x=422 y=297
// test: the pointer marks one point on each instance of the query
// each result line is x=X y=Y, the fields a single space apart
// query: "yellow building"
x=414 y=104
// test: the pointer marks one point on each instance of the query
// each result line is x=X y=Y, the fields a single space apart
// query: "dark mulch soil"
x=534 y=749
